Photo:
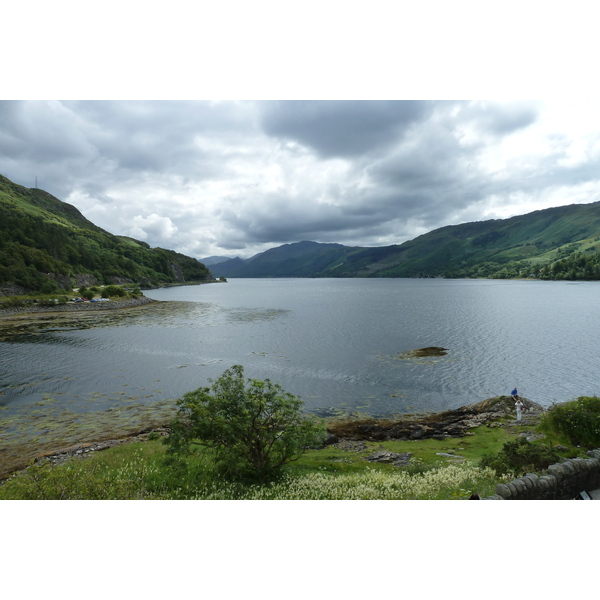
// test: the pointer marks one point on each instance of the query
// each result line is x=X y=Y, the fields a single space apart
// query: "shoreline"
x=346 y=433
x=76 y=307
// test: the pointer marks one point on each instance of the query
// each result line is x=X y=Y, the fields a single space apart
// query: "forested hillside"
x=556 y=243
x=47 y=245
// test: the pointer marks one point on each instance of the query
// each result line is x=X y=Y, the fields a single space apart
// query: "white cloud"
x=153 y=227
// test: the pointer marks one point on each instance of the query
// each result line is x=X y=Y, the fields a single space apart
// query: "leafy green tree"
x=253 y=427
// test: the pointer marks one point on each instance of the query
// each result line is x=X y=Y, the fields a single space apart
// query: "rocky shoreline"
x=77 y=307
x=80 y=450
x=446 y=424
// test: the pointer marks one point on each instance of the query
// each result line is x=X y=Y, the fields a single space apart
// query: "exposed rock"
x=86 y=279
x=450 y=423
x=457 y=457
x=531 y=436
x=120 y=280
x=397 y=459
x=330 y=439
x=12 y=290
x=350 y=445
x=177 y=272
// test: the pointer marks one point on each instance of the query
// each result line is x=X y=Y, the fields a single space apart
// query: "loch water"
x=339 y=344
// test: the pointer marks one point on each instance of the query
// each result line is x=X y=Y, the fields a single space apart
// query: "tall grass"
x=142 y=477
x=451 y=482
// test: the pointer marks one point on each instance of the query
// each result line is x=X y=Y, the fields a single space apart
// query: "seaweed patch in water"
x=424 y=352
x=422 y=356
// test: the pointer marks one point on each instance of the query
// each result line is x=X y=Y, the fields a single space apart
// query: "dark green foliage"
x=520 y=456
x=112 y=291
x=577 y=420
x=45 y=242
x=253 y=427
x=577 y=266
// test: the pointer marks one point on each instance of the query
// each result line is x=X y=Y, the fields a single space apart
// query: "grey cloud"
x=341 y=128
x=43 y=132
x=160 y=136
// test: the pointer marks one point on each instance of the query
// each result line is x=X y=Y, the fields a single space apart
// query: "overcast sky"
x=235 y=178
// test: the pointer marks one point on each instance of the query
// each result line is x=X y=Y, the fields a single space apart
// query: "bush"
x=520 y=456
x=253 y=430
x=112 y=290
x=577 y=420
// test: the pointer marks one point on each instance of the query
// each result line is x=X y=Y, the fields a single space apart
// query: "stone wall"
x=563 y=481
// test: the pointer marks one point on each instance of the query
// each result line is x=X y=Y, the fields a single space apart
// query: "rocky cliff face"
x=177 y=272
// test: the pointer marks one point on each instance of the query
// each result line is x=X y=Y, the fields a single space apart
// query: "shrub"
x=520 y=456
x=577 y=420
x=253 y=430
x=112 y=290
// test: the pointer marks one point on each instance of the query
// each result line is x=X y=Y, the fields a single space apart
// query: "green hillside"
x=555 y=243
x=519 y=246
x=47 y=245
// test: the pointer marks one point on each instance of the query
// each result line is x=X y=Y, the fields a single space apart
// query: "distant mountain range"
x=215 y=260
x=555 y=243
x=48 y=246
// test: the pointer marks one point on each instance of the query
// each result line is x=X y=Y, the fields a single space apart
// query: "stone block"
x=504 y=491
x=528 y=483
x=548 y=484
x=515 y=490
x=580 y=464
x=557 y=470
x=568 y=467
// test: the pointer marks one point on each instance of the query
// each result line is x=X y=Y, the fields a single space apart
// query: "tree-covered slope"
x=47 y=245
x=522 y=246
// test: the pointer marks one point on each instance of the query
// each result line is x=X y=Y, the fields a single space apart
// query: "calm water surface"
x=335 y=342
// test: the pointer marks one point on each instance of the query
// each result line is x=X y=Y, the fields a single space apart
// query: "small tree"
x=253 y=429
